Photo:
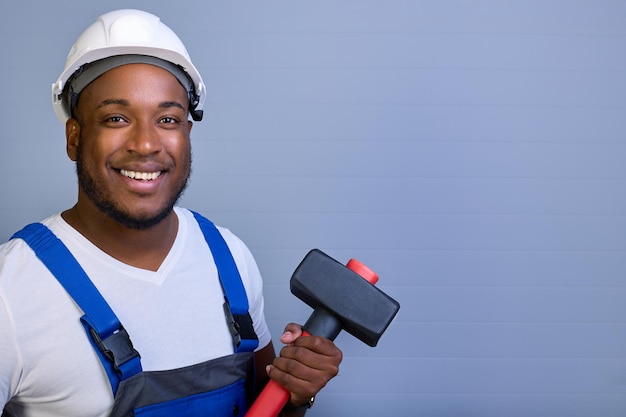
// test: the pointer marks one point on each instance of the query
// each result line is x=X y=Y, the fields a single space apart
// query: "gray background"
x=471 y=152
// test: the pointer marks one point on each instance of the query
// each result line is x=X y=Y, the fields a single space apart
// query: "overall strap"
x=236 y=302
x=104 y=330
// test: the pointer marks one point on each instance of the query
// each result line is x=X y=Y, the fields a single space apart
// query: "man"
x=158 y=273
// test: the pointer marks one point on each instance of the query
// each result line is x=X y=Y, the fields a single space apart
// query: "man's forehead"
x=103 y=77
x=130 y=85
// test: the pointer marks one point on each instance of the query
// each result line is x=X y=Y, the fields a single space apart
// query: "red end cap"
x=367 y=274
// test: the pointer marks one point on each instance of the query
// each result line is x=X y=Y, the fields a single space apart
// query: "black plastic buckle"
x=233 y=326
x=240 y=326
x=118 y=347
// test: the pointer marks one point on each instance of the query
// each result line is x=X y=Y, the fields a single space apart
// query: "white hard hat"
x=133 y=36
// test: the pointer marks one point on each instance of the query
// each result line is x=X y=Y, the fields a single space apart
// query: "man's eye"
x=115 y=119
x=169 y=120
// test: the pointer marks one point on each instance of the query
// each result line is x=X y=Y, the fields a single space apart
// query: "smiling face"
x=130 y=141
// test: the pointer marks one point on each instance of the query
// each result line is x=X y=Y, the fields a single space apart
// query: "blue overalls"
x=220 y=387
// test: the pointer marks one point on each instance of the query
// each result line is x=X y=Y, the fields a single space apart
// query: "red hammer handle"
x=271 y=400
x=274 y=396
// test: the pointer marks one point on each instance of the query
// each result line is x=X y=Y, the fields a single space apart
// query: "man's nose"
x=145 y=139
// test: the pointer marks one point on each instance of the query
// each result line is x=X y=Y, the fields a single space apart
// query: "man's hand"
x=305 y=364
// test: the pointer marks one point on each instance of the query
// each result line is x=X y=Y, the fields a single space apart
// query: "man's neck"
x=145 y=249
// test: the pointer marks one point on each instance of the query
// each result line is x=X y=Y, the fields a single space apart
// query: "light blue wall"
x=473 y=153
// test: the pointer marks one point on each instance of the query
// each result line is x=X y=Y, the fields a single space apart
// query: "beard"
x=95 y=193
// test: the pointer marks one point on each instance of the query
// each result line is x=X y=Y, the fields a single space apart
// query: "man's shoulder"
x=18 y=247
x=189 y=216
x=11 y=247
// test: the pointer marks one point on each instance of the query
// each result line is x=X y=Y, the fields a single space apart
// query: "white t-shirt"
x=174 y=317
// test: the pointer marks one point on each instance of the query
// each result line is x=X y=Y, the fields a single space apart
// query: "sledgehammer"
x=343 y=297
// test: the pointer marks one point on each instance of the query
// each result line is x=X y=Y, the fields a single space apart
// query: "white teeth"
x=145 y=176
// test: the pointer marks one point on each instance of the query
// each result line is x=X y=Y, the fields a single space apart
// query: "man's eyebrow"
x=167 y=104
x=119 y=101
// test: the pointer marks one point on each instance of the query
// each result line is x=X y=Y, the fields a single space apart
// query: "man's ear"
x=72 y=136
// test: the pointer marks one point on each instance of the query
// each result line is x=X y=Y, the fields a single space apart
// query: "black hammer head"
x=363 y=310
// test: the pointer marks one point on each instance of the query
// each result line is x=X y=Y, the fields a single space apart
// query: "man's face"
x=130 y=141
